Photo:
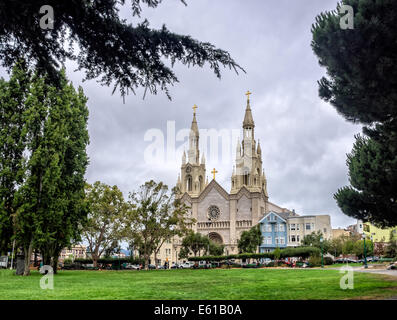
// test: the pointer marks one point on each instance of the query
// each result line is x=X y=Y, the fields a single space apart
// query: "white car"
x=133 y=267
x=187 y=265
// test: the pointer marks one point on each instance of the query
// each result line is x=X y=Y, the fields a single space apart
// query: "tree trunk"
x=94 y=259
x=146 y=262
x=55 y=264
x=28 y=253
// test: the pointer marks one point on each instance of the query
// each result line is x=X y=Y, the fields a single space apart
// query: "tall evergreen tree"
x=13 y=94
x=50 y=200
x=128 y=56
x=361 y=83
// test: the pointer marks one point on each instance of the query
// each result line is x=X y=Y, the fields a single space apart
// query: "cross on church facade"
x=194 y=109
x=213 y=172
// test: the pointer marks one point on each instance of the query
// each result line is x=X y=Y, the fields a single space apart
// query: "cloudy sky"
x=304 y=142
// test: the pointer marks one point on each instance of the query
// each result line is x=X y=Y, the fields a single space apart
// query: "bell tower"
x=192 y=178
x=248 y=170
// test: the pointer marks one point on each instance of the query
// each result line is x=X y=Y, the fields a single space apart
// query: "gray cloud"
x=304 y=142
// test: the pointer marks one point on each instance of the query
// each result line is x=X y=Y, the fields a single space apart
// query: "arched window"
x=200 y=183
x=189 y=183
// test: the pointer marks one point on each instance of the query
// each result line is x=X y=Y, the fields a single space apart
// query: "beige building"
x=336 y=233
x=300 y=226
x=75 y=252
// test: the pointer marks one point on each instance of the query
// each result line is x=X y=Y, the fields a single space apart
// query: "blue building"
x=274 y=230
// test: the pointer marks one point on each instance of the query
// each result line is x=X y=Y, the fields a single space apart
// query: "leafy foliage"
x=106 y=218
x=250 y=240
x=43 y=140
x=129 y=56
x=314 y=239
x=155 y=216
x=302 y=252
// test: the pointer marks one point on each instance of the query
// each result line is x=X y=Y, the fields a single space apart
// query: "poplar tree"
x=50 y=200
x=13 y=95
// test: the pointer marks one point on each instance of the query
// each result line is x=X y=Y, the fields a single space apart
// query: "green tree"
x=373 y=181
x=313 y=239
x=276 y=255
x=193 y=243
x=106 y=219
x=336 y=246
x=358 y=248
x=155 y=216
x=361 y=83
x=391 y=249
x=215 y=249
x=13 y=94
x=116 y=52
x=250 y=240
x=50 y=199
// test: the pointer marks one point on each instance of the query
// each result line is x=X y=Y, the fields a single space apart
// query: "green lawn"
x=197 y=284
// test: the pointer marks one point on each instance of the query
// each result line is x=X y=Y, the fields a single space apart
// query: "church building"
x=220 y=214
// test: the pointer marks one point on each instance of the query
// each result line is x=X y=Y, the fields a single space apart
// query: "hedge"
x=110 y=260
x=302 y=252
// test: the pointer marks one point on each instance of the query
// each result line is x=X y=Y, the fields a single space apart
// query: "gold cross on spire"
x=213 y=172
x=194 y=109
x=248 y=95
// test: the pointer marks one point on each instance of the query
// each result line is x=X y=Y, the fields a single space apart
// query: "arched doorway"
x=215 y=237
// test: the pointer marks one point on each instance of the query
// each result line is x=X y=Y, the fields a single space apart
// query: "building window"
x=282 y=240
x=281 y=227
x=269 y=240
x=292 y=226
x=307 y=226
x=269 y=228
x=276 y=240
x=268 y=218
x=297 y=226
x=297 y=238
x=293 y=239
x=325 y=230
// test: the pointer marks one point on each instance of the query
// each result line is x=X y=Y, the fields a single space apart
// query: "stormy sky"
x=304 y=141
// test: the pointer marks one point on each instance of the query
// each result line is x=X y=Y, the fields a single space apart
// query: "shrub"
x=328 y=261
x=315 y=260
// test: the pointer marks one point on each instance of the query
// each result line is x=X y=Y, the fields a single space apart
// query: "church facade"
x=220 y=214
x=223 y=215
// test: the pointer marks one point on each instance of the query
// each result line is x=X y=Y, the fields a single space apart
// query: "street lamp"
x=322 y=256
x=365 y=253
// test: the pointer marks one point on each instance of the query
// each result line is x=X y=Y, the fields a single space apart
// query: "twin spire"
x=248 y=170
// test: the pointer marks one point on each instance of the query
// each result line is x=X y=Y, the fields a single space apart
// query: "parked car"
x=133 y=266
x=175 y=266
x=152 y=266
x=187 y=265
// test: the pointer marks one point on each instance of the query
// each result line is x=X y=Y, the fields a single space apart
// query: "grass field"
x=241 y=284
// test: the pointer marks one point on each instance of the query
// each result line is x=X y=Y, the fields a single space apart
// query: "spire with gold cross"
x=248 y=120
